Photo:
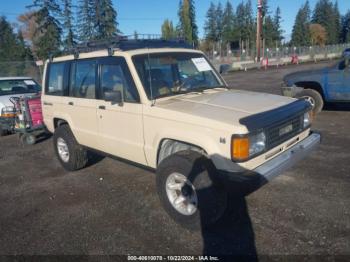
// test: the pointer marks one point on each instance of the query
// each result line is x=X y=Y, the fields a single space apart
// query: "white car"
x=13 y=87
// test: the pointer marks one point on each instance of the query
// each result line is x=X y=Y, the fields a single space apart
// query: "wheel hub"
x=62 y=149
x=181 y=194
x=311 y=100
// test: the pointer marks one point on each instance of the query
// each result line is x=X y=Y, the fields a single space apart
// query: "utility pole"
x=258 y=30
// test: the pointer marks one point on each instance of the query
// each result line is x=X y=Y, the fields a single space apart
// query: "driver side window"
x=344 y=64
x=114 y=77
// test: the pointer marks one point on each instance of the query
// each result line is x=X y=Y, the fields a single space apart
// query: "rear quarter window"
x=55 y=80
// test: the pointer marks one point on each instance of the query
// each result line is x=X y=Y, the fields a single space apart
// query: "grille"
x=283 y=131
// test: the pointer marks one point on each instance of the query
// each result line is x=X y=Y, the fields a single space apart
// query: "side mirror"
x=344 y=64
x=224 y=68
x=115 y=97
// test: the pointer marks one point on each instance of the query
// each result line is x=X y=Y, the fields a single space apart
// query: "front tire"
x=189 y=191
x=314 y=98
x=71 y=155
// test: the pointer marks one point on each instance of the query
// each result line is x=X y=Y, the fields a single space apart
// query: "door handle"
x=71 y=103
x=47 y=104
x=102 y=107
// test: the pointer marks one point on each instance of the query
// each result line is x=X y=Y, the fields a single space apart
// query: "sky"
x=146 y=16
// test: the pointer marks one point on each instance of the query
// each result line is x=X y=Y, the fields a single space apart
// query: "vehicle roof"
x=116 y=52
x=16 y=78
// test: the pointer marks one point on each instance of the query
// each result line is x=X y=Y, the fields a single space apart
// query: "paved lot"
x=112 y=208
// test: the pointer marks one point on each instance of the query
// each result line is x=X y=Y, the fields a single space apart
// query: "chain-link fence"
x=20 y=68
x=280 y=54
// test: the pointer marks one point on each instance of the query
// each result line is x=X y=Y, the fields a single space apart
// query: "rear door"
x=54 y=85
x=120 y=125
x=80 y=104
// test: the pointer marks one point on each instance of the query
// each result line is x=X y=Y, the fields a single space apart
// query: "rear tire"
x=314 y=97
x=197 y=184
x=71 y=155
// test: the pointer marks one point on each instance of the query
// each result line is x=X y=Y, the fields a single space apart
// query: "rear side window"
x=83 y=79
x=55 y=80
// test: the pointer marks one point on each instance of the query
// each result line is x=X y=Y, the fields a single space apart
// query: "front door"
x=338 y=86
x=346 y=83
x=120 y=125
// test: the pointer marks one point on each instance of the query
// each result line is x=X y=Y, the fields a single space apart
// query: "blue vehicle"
x=330 y=84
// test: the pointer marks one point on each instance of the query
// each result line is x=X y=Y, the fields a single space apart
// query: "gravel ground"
x=112 y=208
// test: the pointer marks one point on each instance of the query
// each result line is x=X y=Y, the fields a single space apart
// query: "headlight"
x=8 y=111
x=247 y=146
x=307 y=120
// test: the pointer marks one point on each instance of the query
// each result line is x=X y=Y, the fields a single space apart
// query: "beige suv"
x=164 y=106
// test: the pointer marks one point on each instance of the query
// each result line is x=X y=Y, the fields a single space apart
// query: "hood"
x=5 y=99
x=307 y=75
x=224 y=106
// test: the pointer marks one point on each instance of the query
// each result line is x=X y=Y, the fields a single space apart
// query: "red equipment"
x=29 y=120
x=265 y=62
x=295 y=60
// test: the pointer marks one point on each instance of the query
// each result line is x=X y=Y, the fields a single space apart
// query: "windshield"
x=167 y=74
x=15 y=87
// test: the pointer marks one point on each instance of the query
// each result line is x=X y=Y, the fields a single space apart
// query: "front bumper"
x=276 y=166
x=289 y=158
x=290 y=91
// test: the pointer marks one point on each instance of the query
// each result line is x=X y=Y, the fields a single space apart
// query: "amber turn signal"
x=240 y=148
x=8 y=115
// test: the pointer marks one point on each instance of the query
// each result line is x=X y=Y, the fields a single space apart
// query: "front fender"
x=208 y=140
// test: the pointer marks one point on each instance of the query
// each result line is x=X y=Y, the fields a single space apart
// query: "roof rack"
x=125 y=43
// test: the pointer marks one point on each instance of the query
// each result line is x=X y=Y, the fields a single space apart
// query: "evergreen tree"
x=324 y=14
x=51 y=5
x=210 y=26
x=85 y=19
x=301 y=33
x=194 y=27
x=337 y=22
x=272 y=31
x=8 y=42
x=269 y=31
x=245 y=25
x=187 y=27
x=179 y=29
x=48 y=35
x=219 y=21
x=250 y=23
x=12 y=50
x=228 y=21
x=69 y=36
x=268 y=25
x=345 y=31
x=278 y=31
x=105 y=20
x=23 y=50
x=168 y=31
